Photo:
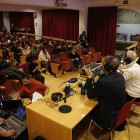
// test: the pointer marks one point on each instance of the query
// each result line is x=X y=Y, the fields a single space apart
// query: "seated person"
x=45 y=42
x=5 y=49
x=34 y=70
x=34 y=49
x=30 y=85
x=42 y=39
x=38 y=43
x=12 y=62
x=8 y=133
x=131 y=75
x=78 y=46
x=16 y=51
x=2 y=40
x=56 y=49
x=64 y=48
x=3 y=64
x=70 y=46
x=76 y=57
x=64 y=42
x=30 y=45
x=26 y=51
x=51 y=41
x=45 y=57
x=110 y=92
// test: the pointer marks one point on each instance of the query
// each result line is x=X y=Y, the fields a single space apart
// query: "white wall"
x=6 y=20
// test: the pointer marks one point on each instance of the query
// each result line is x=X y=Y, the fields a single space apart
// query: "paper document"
x=36 y=96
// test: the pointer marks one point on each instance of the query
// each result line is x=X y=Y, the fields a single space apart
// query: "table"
x=54 y=125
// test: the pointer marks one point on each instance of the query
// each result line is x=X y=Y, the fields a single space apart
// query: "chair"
x=49 y=47
x=122 y=116
x=97 y=55
x=41 y=48
x=23 y=59
x=88 y=57
x=25 y=67
x=69 y=64
x=81 y=55
x=136 y=103
x=8 y=86
x=56 y=68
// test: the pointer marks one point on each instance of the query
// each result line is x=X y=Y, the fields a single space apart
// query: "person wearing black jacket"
x=4 y=29
x=110 y=92
x=5 y=49
x=16 y=51
x=45 y=43
x=83 y=38
x=3 y=64
x=34 y=70
x=76 y=57
x=56 y=49
x=65 y=48
x=12 y=29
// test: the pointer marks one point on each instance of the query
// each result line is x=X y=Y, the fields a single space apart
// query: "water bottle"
x=83 y=88
x=67 y=88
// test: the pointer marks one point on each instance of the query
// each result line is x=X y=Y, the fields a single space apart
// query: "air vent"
x=125 y=2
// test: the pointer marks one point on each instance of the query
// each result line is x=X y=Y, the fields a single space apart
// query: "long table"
x=54 y=125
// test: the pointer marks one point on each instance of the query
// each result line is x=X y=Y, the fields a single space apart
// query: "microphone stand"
x=65 y=108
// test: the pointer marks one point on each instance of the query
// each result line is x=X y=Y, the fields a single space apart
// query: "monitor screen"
x=21 y=112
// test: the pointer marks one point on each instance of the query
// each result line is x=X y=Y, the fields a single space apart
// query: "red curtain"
x=22 y=19
x=1 y=21
x=61 y=24
x=102 y=26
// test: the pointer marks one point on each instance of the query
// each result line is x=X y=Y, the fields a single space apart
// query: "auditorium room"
x=69 y=70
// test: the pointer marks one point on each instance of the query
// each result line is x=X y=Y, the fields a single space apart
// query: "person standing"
x=83 y=38
x=4 y=29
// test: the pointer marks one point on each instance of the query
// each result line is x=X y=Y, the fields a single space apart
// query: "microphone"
x=73 y=80
x=71 y=94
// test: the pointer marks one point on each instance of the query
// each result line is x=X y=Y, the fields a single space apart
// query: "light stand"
x=65 y=108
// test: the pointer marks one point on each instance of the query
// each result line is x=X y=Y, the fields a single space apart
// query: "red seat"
x=24 y=39
x=49 y=47
x=81 y=55
x=89 y=57
x=41 y=48
x=69 y=64
x=95 y=54
x=122 y=116
x=25 y=67
x=10 y=48
x=36 y=54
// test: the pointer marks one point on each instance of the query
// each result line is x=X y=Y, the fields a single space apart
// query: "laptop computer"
x=11 y=103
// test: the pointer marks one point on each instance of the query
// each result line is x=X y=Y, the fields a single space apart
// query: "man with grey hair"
x=131 y=75
x=110 y=92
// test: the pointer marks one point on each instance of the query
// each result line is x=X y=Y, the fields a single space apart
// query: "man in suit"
x=12 y=29
x=4 y=29
x=110 y=92
x=83 y=38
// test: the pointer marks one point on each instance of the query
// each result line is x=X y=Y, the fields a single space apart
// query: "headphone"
x=56 y=95
x=127 y=60
x=108 y=66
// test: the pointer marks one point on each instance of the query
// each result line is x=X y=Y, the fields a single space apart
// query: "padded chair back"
x=68 y=53
x=78 y=52
x=91 y=49
x=124 y=113
x=24 y=39
x=49 y=47
x=41 y=48
x=36 y=54
x=10 y=48
x=62 y=55
x=53 y=57
x=9 y=87
x=26 y=67
x=0 y=46
x=83 y=49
